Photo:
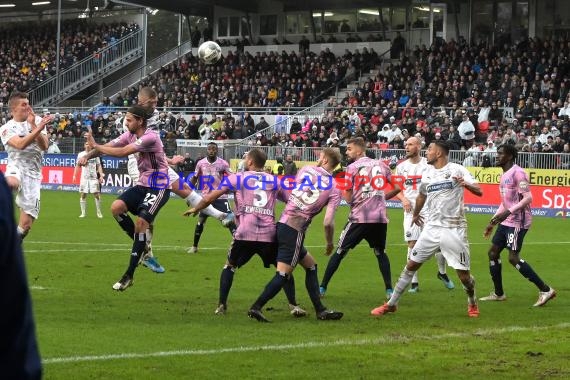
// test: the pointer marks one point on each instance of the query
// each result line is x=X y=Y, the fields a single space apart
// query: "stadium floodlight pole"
x=58 y=45
x=145 y=38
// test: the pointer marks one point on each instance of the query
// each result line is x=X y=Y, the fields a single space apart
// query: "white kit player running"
x=147 y=97
x=442 y=187
x=411 y=170
x=25 y=140
x=90 y=182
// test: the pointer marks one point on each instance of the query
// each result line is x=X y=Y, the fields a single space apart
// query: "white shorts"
x=13 y=171
x=90 y=186
x=28 y=196
x=411 y=231
x=452 y=242
x=133 y=170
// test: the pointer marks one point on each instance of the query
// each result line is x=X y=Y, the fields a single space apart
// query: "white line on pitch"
x=296 y=346
x=118 y=247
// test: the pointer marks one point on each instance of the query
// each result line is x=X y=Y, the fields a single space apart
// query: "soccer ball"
x=209 y=52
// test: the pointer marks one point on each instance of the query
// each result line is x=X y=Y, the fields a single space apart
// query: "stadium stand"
x=516 y=93
x=28 y=50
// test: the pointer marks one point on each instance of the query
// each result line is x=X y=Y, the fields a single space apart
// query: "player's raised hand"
x=460 y=180
x=31 y=116
x=177 y=159
x=82 y=161
x=90 y=140
x=191 y=212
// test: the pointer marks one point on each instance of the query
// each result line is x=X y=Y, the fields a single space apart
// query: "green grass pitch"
x=164 y=326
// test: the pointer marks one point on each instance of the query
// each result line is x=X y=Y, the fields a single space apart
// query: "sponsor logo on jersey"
x=447 y=185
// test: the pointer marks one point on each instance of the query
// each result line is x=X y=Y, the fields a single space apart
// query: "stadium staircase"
x=138 y=74
x=90 y=70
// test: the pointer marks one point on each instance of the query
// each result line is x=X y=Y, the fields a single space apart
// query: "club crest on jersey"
x=523 y=185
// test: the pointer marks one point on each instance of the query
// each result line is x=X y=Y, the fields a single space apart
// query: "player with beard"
x=367 y=219
x=412 y=169
x=442 y=187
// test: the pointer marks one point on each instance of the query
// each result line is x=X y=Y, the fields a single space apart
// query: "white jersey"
x=29 y=159
x=445 y=195
x=89 y=171
x=413 y=178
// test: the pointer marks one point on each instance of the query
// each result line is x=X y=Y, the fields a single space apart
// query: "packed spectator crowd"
x=28 y=50
x=474 y=97
x=268 y=79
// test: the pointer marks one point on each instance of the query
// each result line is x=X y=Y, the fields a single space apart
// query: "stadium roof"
x=186 y=7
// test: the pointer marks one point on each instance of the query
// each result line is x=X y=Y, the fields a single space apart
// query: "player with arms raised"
x=442 y=191
x=148 y=98
x=514 y=219
x=150 y=193
x=314 y=189
x=25 y=140
x=256 y=193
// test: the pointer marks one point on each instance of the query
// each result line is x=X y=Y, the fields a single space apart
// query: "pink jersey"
x=255 y=197
x=151 y=158
x=513 y=186
x=314 y=189
x=369 y=182
x=210 y=174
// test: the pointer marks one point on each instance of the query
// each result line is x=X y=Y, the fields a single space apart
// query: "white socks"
x=403 y=282
x=83 y=205
x=441 y=263
x=415 y=279
x=194 y=198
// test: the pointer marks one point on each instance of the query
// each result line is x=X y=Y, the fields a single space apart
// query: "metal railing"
x=86 y=72
x=236 y=149
x=137 y=75
x=283 y=124
x=348 y=79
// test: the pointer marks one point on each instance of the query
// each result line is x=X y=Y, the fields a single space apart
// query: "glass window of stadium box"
x=222 y=27
x=499 y=22
x=234 y=26
x=339 y=21
x=368 y=19
x=245 y=26
x=398 y=18
x=482 y=21
x=420 y=17
x=300 y=23
x=268 y=25
x=292 y=23
x=553 y=18
x=305 y=23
